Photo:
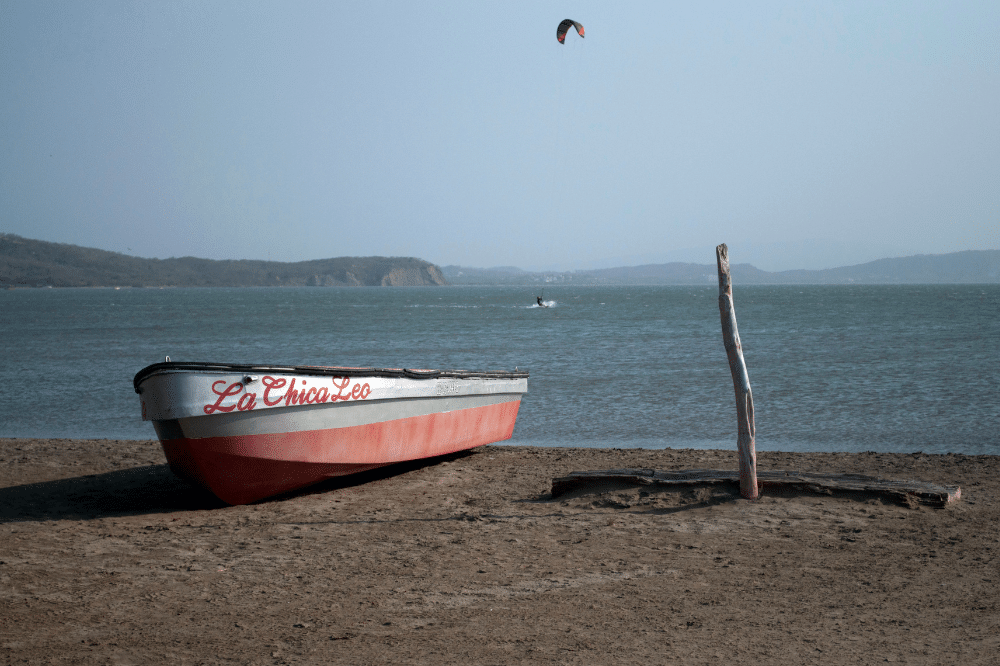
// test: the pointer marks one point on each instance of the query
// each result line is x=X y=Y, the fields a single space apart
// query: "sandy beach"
x=107 y=558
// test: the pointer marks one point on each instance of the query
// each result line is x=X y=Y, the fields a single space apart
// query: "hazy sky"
x=804 y=135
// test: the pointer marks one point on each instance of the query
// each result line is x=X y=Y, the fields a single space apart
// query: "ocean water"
x=833 y=368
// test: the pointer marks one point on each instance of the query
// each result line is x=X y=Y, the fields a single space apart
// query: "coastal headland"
x=32 y=263
x=107 y=557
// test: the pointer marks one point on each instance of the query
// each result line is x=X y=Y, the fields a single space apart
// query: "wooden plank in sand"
x=818 y=482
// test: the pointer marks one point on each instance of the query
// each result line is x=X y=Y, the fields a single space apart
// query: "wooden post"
x=741 y=380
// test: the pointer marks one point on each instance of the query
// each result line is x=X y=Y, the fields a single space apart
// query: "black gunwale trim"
x=322 y=371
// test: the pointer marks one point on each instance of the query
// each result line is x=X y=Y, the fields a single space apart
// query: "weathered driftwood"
x=741 y=380
x=819 y=482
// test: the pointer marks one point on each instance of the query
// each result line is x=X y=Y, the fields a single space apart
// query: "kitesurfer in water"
x=539 y=299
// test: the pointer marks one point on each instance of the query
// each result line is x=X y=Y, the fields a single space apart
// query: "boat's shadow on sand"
x=150 y=490
x=139 y=490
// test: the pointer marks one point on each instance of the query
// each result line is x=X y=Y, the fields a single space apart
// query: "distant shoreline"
x=967 y=267
x=26 y=263
x=32 y=263
x=504 y=286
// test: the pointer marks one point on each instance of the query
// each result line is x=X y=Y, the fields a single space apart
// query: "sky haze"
x=803 y=135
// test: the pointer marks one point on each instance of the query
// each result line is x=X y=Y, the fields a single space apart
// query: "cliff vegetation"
x=32 y=263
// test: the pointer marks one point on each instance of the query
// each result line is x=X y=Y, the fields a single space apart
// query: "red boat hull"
x=240 y=469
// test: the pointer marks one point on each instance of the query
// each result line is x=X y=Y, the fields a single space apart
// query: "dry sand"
x=107 y=558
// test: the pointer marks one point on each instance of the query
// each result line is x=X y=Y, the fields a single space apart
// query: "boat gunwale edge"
x=316 y=370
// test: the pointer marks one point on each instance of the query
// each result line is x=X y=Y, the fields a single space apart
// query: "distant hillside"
x=969 y=267
x=32 y=263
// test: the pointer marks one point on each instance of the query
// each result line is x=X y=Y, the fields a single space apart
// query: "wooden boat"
x=246 y=432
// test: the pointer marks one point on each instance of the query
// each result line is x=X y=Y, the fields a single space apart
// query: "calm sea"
x=859 y=368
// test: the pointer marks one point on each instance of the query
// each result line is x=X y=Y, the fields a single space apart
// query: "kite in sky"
x=564 y=28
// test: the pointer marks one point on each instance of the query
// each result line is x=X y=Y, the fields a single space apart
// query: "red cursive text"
x=233 y=389
x=357 y=392
x=272 y=383
x=303 y=395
